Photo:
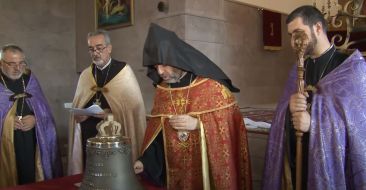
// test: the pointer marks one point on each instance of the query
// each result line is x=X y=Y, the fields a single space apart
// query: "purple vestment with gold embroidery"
x=45 y=126
x=337 y=145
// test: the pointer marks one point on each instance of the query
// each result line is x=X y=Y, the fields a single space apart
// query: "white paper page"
x=92 y=110
x=68 y=105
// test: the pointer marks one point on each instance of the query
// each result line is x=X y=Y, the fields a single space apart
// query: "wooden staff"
x=300 y=44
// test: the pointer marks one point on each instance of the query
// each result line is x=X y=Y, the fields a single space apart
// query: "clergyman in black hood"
x=195 y=136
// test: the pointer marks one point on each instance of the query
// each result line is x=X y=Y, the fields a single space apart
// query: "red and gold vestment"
x=215 y=156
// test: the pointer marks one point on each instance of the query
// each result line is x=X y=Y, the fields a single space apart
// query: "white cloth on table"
x=256 y=124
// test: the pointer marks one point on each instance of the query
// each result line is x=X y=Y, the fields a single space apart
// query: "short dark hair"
x=310 y=16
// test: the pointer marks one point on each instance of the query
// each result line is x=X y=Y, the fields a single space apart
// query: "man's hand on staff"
x=300 y=117
x=298 y=102
x=301 y=121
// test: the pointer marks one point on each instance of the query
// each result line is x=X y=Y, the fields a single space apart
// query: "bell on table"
x=108 y=160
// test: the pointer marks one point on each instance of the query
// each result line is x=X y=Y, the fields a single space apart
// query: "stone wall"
x=229 y=33
x=45 y=29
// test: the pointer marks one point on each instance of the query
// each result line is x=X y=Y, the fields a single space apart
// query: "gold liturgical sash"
x=8 y=171
x=8 y=167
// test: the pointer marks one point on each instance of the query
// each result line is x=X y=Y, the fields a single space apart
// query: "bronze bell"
x=108 y=160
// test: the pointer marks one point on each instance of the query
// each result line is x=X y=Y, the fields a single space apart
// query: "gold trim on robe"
x=38 y=164
x=216 y=155
x=8 y=167
x=124 y=97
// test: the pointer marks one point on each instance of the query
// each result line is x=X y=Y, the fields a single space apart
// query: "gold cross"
x=222 y=130
x=181 y=101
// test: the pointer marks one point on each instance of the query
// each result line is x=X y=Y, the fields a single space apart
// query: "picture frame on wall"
x=112 y=14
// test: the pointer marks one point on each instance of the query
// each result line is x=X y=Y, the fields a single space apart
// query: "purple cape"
x=45 y=126
x=337 y=145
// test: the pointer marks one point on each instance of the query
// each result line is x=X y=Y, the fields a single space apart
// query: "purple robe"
x=337 y=145
x=45 y=126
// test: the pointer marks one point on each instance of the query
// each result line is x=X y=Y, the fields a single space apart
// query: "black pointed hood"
x=164 y=47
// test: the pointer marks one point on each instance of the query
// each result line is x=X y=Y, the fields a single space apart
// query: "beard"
x=14 y=76
x=311 y=46
x=173 y=78
x=98 y=61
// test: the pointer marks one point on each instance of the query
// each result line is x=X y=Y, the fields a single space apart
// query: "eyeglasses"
x=15 y=64
x=97 y=49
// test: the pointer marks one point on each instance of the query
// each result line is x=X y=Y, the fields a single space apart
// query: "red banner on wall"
x=272 y=30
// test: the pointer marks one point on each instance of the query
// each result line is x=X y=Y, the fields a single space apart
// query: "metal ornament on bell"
x=108 y=160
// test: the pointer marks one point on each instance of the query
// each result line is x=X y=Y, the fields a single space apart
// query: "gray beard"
x=99 y=62
x=176 y=78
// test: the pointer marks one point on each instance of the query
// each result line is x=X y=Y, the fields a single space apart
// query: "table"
x=65 y=183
